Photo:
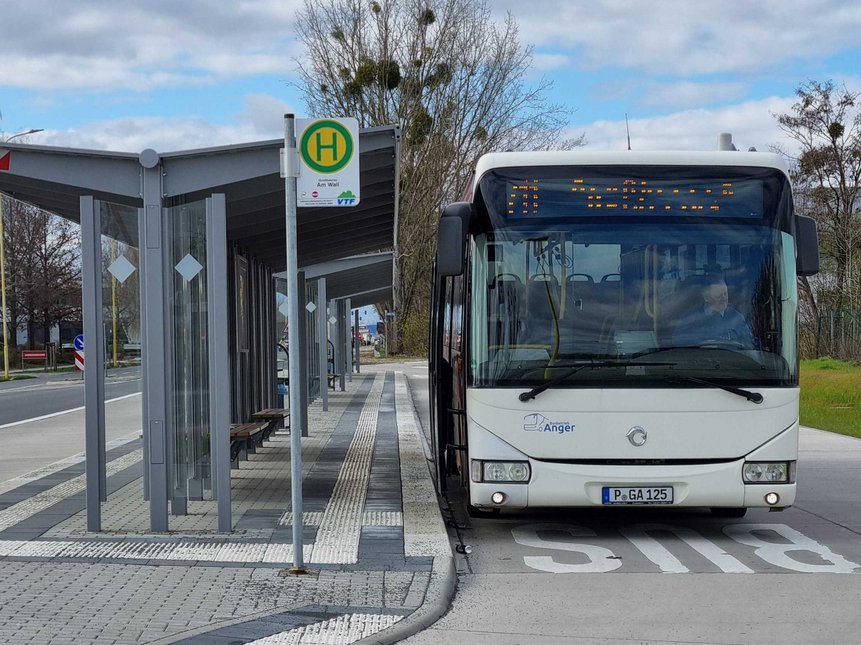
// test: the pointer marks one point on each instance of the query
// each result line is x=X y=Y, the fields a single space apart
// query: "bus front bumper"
x=577 y=485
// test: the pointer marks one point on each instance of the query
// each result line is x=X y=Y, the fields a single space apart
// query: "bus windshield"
x=699 y=287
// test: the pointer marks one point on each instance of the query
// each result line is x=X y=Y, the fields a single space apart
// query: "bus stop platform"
x=378 y=559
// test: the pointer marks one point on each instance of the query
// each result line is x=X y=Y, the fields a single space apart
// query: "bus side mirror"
x=450 y=242
x=806 y=246
x=453 y=226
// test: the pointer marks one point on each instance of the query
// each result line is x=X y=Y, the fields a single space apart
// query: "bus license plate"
x=637 y=495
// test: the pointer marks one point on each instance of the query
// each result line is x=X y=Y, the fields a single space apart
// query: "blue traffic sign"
x=79 y=343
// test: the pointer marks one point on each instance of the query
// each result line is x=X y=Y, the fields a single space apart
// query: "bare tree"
x=456 y=83
x=826 y=122
x=43 y=270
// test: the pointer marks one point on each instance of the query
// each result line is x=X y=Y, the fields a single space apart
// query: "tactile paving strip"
x=308 y=519
x=335 y=631
x=338 y=536
x=383 y=518
x=37 y=503
x=184 y=551
x=57 y=466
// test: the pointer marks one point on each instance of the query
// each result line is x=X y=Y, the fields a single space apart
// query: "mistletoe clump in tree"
x=454 y=80
x=825 y=122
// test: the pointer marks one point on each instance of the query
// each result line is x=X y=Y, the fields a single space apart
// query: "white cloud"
x=690 y=94
x=265 y=114
x=544 y=62
x=262 y=119
x=681 y=37
x=95 y=45
x=752 y=124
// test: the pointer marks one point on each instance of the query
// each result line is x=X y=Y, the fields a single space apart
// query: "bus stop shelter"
x=197 y=236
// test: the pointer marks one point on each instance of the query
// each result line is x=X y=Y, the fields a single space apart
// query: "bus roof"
x=628 y=158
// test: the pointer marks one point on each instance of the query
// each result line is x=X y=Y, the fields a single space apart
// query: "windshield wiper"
x=753 y=397
x=538 y=389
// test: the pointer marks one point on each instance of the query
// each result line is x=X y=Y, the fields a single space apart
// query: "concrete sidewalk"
x=380 y=564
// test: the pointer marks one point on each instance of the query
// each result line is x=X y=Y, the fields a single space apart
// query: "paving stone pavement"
x=379 y=561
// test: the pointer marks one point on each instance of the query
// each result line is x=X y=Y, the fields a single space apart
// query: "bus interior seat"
x=589 y=305
x=507 y=305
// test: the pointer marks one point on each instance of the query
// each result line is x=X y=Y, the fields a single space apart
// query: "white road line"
x=62 y=412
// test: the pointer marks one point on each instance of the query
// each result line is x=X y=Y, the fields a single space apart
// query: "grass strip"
x=831 y=395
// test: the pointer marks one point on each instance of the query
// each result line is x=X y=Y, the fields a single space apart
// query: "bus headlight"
x=501 y=471
x=765 y=472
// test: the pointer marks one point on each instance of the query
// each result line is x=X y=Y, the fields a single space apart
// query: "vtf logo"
x=347 y=198
x=537 y=422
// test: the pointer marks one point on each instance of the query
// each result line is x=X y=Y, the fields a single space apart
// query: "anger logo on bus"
x=537 y=422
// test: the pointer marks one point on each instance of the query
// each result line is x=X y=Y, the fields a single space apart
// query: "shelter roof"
x=248 y=174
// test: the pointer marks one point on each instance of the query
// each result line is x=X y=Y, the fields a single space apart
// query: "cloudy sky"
x=177 y=75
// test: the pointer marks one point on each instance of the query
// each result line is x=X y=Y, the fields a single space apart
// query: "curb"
x=438 y=597
x=443 y=580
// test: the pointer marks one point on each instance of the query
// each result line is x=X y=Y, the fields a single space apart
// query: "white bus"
x=571 y=360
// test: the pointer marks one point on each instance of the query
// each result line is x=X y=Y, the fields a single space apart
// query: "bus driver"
x=714 y=321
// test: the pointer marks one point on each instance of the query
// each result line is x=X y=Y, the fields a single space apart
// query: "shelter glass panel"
x=186 y=279
x=121 y=330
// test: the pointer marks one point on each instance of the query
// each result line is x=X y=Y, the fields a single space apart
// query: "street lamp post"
x=23 y=134
x=3 y=268
x=3 y=291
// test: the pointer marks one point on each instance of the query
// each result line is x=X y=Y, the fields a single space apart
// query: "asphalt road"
x=49 y=392
x=41 y=419
x=601 y=576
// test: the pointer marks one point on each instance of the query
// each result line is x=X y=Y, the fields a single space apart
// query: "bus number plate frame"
x=638 y=495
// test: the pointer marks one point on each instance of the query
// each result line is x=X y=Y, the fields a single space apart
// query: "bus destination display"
x=620 y=196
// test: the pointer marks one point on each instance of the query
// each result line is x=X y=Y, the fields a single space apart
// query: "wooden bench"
x=332 y=378
x=244 y=437
x=272 y=417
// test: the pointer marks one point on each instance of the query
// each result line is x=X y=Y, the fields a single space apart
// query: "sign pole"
x=294 y=355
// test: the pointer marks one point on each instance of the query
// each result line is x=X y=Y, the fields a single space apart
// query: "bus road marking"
x=603 y=560
x=638 y=535
x=777 y=553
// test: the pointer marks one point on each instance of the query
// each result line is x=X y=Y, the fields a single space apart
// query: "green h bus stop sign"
x=328 y=162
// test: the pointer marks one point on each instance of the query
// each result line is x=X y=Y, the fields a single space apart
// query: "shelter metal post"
x=358 y=347
x=351 y=338
x=338 y=344
x=323 y=339
x=299 y=418
x=218 y=342
x=343 y=341
x=154 y=340
x=94 y=365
